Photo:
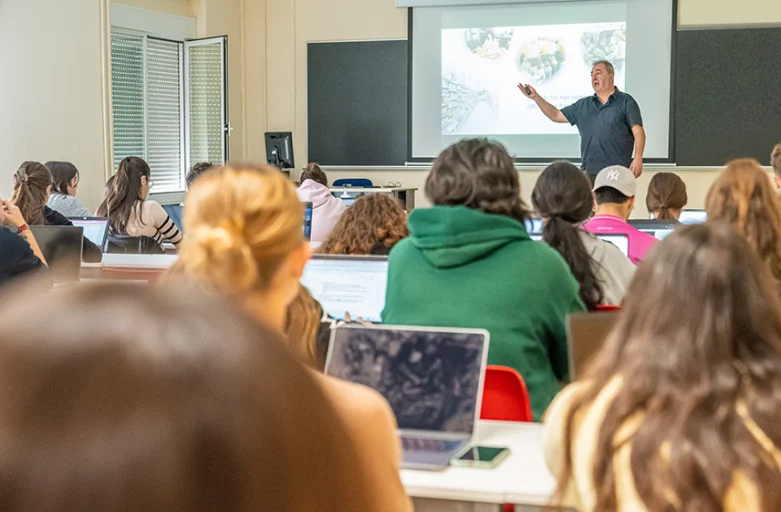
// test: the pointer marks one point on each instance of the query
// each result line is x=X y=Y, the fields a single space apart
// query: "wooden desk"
x=405 y=195
x=522 y=478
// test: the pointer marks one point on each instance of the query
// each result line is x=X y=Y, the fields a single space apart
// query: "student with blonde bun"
x=244 y=229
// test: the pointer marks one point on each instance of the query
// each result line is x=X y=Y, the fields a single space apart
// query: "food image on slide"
x=480 y=67
x=348 y=285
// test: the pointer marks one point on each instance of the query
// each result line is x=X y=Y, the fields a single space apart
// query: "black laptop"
x=62 y=247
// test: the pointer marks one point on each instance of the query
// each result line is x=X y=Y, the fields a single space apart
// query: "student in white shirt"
x=129 y=210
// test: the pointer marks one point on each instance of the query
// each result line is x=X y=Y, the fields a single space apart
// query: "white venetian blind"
x=127 y=95
x=164 y=115
x=206 y=100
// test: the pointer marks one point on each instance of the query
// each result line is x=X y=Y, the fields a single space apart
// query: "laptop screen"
x=62 y=248
x=95 y=229
x=693 y=217
x=308 y=221
x=620 y=241
x=430 y=377
x=534 y=226
x=660 y=229
x=348 y=284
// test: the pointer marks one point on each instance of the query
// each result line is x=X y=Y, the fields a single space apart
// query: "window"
x=169 y=104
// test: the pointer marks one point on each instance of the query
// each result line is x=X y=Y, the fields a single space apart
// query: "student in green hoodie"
x=469 y=262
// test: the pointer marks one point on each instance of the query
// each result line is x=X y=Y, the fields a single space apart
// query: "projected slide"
x=479 y=64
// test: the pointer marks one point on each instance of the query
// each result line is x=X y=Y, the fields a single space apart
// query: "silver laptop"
x=432 y=377
x=348 y=284
x=95 y=228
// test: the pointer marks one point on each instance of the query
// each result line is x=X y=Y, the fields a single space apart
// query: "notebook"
x=431 y=377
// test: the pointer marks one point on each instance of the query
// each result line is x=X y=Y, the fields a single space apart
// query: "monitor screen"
x=431 y=379
x=693 y=217
x=354 y=285
x=534 y=226
x=620 y=241
x=95 y=230
x=660 y=234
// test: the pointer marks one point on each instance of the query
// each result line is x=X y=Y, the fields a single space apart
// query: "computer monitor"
x=95 y=228
x=693 y=217
x=660 y=229
x=308 y=208
x=620 y=241
x=348 y=284
x=62 y=248
x=279 y=149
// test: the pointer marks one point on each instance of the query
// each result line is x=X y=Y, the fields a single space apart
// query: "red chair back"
x=505 y=397
x=608 y=308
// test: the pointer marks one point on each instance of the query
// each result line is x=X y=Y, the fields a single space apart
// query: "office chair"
x=353 y=182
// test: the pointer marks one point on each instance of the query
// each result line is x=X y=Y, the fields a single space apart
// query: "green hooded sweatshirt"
x=465 y=268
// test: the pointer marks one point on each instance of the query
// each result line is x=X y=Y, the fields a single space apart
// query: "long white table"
x=522 y=478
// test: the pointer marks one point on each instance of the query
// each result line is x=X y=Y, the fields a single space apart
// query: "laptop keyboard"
x=419 y=444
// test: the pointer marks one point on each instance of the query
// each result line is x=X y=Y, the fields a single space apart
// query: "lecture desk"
x=405 y=195
x=523 y=478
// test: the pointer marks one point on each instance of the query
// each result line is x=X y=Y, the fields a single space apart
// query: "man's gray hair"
x=608 y=65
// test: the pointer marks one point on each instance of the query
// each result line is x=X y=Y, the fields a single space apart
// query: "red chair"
x=608 y=308
x=505 y=397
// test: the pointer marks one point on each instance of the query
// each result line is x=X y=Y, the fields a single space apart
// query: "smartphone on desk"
x=484 y=457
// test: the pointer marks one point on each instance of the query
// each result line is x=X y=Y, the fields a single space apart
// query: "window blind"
x=127 y=95
x=164 y=115
x=206 y=113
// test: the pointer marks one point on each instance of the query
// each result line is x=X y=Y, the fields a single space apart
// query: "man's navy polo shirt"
x=606 y=136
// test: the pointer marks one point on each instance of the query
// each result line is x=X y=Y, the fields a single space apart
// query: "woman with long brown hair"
x=125 y=398
x=244 y=227
x=372 y=225
x=666 y=196
x=680 y=409
x=743 y=197
x=32 y=189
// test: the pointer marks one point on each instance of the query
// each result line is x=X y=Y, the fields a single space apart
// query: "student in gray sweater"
x=65 y=185
x=562 y=196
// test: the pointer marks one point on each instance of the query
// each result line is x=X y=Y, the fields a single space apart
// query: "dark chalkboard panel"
x=727 y=95
x=357 y=102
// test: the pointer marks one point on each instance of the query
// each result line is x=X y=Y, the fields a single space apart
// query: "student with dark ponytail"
x=562 y=196
x=666 y=196
x=130 y=211
x=32 y=189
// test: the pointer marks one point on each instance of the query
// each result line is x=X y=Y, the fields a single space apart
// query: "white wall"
x=53 y=88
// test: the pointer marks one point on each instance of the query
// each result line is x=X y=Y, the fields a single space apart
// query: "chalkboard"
x=357 y=102
x=727 y=95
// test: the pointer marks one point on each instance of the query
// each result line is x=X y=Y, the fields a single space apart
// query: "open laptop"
x=620 y=241
x=660 y=229
x=534 y=226
x=308 y=209
x=693 y=217
x=95 y=228
x=431 y=377
x=586 y=334
x=62 y=247
x=348 y=284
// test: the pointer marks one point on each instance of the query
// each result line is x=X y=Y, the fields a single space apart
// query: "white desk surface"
x=145 y=261
x=523 y=478
x=373 y=190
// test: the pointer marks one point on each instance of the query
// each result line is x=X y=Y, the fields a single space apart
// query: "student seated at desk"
x=614 y=192
x=129 y=210
x=372 y=225
x=65 y=185
x=666 y=196
x=20 y=255
x=245 y=239
x=680 y=409
x=562 y=196
x=180 y=403
x=469 y=262
x=327 y=209
x=743 y=197
x=32 y=188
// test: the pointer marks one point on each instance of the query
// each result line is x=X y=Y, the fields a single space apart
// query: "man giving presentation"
x=609 y=122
